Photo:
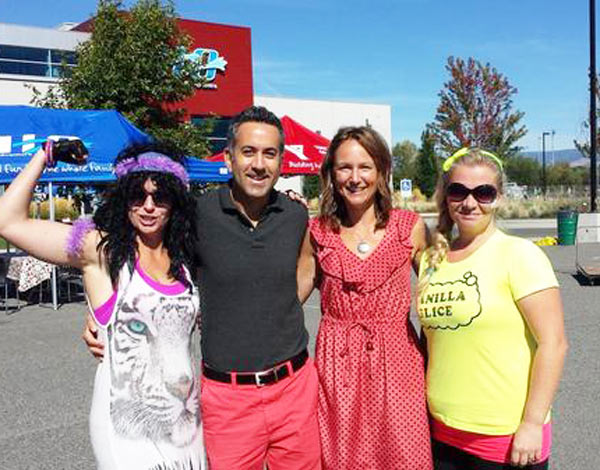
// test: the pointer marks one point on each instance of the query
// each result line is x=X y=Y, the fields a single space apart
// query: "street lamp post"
x=552 y=133
x=544 y=134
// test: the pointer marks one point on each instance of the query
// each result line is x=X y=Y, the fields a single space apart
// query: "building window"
x=217 y=137
x=16 y=60
x=57 y=57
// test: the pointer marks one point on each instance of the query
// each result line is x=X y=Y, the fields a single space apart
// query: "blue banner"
x=105 y=133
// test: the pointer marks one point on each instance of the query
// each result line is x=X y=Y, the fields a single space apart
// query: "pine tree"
x=310 y=186
x=404 y=156
x=427 y=165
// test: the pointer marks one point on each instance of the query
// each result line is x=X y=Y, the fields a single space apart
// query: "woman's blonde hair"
x=442 y=236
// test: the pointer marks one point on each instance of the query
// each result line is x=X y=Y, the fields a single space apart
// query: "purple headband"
x=152 y=161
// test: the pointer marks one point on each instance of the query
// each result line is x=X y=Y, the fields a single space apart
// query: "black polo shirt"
x=250 y=312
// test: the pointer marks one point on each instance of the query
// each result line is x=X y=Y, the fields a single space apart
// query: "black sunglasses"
x=138 y=196
x=484 y=193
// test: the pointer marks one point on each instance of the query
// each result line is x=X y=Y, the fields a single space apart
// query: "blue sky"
x=394 y=51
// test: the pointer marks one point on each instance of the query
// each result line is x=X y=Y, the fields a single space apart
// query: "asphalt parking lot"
x=46 y=378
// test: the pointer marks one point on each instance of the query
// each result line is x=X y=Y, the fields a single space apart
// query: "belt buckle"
x=258 y=375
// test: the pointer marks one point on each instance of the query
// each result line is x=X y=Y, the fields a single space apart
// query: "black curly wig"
x=112 y=216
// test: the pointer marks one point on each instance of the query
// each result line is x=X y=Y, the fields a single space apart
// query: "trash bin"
x=566 y=222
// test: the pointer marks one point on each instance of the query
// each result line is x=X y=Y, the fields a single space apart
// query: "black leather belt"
x=260 y=379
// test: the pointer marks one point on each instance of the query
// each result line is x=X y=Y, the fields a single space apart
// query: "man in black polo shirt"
x=259 y=390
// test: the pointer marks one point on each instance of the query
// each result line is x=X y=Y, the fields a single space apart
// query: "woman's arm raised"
x=43 y=239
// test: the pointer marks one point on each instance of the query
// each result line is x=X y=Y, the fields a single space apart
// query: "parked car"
x=515 y=191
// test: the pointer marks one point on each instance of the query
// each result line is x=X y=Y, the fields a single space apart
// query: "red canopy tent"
x=304 y=149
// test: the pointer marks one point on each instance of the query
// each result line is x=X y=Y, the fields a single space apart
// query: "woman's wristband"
x=48 y=147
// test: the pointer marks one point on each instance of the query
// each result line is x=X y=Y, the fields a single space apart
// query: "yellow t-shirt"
x=480 y=348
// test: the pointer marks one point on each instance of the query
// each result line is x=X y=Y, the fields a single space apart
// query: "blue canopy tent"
x=105 y=133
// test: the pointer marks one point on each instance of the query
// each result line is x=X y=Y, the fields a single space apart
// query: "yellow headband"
x=462 y=152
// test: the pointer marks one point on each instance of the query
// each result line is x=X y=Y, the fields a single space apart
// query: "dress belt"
x=368 y=338
x=370 y=329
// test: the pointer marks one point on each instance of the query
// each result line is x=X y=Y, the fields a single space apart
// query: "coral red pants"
x=246 y=426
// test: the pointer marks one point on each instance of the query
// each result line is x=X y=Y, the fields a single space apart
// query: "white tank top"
x=145 y=410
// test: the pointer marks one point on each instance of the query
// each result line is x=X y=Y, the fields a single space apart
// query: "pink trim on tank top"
x=102 y=314
x=486 y=447
x=167 y=289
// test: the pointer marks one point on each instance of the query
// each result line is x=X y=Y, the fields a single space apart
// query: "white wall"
x=328 y=116
x=289 y=182
x=31 y=36
x=13 y=92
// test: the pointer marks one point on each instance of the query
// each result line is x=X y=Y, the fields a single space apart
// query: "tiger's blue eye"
x=137 y=327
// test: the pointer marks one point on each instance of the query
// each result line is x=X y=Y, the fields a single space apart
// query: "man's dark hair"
x=254 y=114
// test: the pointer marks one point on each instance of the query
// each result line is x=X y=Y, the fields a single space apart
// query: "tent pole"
x=53 y=279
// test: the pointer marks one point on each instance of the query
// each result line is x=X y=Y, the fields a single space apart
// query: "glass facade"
x=217 y=137
x=40 y=62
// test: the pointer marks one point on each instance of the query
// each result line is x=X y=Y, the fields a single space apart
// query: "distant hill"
x=571 y=156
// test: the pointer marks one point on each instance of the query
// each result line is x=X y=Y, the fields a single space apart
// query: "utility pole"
x=544 y=134
x=593 y=88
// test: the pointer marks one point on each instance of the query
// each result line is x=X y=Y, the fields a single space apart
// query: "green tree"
x=310 y=186
x=133 y=62
x=582 y=176
x=426 y=165
x=524 y=170
x=475 y=110
x=562 y=174
x=404 y=157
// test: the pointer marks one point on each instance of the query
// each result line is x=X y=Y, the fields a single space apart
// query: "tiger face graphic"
x=154 y=393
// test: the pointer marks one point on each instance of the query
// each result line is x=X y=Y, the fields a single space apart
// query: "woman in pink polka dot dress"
x=372 y=407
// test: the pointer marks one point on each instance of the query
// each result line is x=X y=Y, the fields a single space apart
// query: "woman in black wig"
x=134 y=257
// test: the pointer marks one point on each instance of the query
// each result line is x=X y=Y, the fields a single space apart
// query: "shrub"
x=532 y=208
x=313 y=205
x=63 y=209
x=537 y=207
x=417 y=195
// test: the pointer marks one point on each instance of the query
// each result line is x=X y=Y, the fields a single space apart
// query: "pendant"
x=363 y=247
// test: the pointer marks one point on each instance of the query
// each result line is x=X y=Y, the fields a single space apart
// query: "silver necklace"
x=363 y=247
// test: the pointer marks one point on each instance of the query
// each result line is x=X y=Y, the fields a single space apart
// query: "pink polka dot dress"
x=372 y=406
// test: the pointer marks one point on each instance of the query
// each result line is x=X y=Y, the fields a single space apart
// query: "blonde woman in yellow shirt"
x=492 y=315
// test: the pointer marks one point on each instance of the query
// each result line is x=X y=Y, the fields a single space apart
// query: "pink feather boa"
x=77 y=234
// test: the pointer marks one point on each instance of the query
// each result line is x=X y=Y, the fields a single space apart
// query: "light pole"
x=553 y=132
x=544 y=134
